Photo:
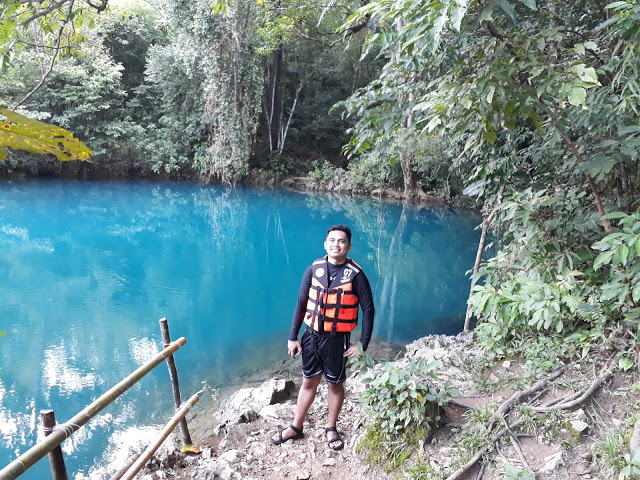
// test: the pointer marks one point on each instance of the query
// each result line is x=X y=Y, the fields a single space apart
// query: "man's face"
x=337 y=246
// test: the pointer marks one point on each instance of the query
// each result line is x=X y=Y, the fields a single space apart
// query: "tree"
x=52 y=24
x=536 y=98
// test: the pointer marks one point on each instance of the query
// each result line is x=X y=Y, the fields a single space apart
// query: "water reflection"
x=87 y=269
x=58 y=372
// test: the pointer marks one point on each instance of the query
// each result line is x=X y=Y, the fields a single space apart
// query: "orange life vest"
x=328 y=303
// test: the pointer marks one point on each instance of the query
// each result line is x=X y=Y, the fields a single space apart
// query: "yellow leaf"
x=21 y=133
x=191 y=449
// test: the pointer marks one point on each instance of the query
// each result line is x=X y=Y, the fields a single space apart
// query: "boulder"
x=456 y=354
x=244 y=405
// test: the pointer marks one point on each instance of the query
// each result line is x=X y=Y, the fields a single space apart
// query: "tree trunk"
x=408 y=176
x=486 y=223
x=274 y=112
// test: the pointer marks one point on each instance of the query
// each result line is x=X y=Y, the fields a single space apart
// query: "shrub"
x=402 y=405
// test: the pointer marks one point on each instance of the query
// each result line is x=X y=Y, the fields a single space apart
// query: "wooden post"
x=56 y=460
x=175 y=386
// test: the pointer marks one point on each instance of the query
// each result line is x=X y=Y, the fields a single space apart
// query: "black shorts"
x=325 y=354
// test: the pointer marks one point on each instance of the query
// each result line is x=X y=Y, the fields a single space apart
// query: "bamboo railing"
x=151 y=449
x=65 y=430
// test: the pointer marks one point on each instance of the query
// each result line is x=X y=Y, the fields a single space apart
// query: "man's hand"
x=351 y=351
x=293 y=347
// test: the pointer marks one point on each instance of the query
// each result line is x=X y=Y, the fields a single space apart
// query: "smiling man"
x=332 y=289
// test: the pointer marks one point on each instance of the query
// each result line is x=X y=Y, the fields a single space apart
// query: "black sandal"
x=279 y=440
x=337 y=439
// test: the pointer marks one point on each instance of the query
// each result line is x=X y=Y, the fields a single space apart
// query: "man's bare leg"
x=335 y=399
x=306 y=396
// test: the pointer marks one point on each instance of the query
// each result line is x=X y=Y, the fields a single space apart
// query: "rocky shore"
x=235 y=436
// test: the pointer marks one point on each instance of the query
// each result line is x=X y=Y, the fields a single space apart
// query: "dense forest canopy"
x=528 y=106
x=206 y=90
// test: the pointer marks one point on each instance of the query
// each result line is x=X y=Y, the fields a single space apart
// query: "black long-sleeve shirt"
x=361 y=288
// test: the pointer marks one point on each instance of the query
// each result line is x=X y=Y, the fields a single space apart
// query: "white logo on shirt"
x=346 y=275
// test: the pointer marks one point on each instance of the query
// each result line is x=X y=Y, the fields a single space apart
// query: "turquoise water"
x=87 y=269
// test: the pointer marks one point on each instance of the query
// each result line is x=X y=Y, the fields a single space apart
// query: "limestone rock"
x=232 y=456
x=457 y=354
x=552 y=462
x=635 y=437
x=329 y=462
x=279 y=415
x=341 y=181
x=244 y=405
x=577 y=421
x=203 y=472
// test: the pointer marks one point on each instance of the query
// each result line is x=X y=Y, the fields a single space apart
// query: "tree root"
x=567 y=402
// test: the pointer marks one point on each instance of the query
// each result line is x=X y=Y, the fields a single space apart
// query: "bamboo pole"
x=65 y=430
x=127 y=466
x=151 y=449
x=175 y=386
x=56 y=460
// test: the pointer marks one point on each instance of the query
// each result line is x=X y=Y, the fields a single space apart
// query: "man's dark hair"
x=342 y=228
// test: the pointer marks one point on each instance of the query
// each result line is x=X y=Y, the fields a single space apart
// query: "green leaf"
x=490 y=136
x=613 y=216
x=577 y=96
x=624 y=131
x=599 y=165
x=591 y=45
x=490 y=93
x=624 y=364
x=507 y=8
x=530 y=4
x=457 y=13
x=21 y=133
x=624 y=254
x=603 y=258
x=586 y=74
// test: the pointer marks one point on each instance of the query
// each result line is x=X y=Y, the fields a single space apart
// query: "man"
x=332 y=288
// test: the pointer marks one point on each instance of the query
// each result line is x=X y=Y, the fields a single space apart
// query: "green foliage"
x=402 y=405
x=400 y=398
x=545 y=279
x=513 y=473
x=422 y=471
x=84 y=95
x=21 y=133
x=541 y=102
x=219 y=85
x=620 y=252
x=390 y=452
x=631 y=468
x=321 y=173
x=609 y=452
